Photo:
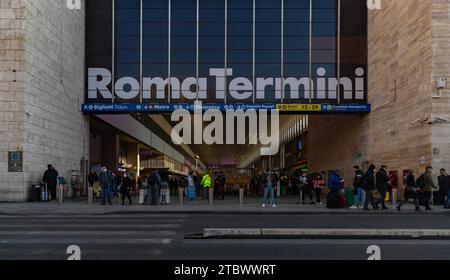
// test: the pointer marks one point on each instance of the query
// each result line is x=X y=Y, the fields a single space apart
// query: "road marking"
x=102 y=241
x=102 y=233
x=90 y=226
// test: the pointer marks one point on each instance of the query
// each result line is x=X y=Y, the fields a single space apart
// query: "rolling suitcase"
x=44 y=193
x=333 y=200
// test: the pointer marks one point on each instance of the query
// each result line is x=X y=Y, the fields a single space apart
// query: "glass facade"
x=230 y=51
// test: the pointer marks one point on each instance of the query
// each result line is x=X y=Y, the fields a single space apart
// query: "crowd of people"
x=370 y=188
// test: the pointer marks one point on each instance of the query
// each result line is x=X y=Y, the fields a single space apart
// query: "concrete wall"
x=45 y=44
x=12 y=117
x=399 y=89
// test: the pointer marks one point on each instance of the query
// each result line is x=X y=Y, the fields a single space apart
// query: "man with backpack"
x=154 y=183
x=426 y=184
x=444 y=187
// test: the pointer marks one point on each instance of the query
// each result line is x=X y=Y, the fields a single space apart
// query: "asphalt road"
x=162 y=237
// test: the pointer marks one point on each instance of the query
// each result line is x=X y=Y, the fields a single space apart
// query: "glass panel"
x=324 y=49
x=268 y=51
x=212 y=44
x=296 y=53
x=240 y=51
x=184 y=30
x=127 y=57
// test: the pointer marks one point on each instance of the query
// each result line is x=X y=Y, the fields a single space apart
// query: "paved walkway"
x=231 y=205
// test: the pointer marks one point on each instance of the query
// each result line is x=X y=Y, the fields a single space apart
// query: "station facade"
x=321 y=58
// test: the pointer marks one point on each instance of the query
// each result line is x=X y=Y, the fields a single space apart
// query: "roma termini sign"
x=289 y=94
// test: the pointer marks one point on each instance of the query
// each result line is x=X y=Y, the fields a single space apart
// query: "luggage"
x=349 y=198
x=343 y=201
x=44 y=194
x=333 y=200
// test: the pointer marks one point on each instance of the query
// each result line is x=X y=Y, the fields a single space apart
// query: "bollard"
x=241 y=196
x=211 y=196
x=181 y=195
x=90 y=195
x=60 y=194
x=300 y=197
x=141 y=196
x=394 y=196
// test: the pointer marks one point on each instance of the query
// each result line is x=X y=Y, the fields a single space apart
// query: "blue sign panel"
x=159 y=108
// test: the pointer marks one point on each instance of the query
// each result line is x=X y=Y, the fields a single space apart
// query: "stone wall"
x=40 y=102
x=58 y=132
x=12 y=116
x=399 y=89
x=441 y=69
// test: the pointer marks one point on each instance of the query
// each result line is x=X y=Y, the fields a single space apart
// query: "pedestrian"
x=335 y=182
x=191 y=191
x=305 y=188
x=154 y=183
x=444 y=187
x=369 y=188
x=382 y=184
x=125 y=188
x=206 y=184
x=358 y=188
x=255 y=185
x=51 y=179
x=219 y=185
x=318 y=184
x=410 y=191
x=428 y=187
x=105 y=181
x=269 y=183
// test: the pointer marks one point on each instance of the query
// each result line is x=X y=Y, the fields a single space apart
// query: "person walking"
x=105 y=181
x=428 y=187
x=154 y=183
x=444 y=187
x=382 y=184
x=358 y=188
x=191 y=191
x=51 y=179
x=219 y=185
x=305 y=188
x=318 y=184
x=206 y=184
x=410 y=192
x=125 y=188
x=369 y=187
x=269 y=183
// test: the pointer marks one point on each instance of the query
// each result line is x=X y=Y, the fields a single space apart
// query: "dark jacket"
x=50 y=177
x=382 y=180
x=126 y=184
x=444 y=183
x=92 y=178
x=358 y=182
x=411 y=181
x=369 y=180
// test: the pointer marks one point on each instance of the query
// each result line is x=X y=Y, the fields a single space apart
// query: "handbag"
x=376 y=194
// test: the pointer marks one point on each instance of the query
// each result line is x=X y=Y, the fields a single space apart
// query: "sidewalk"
x=288 y=205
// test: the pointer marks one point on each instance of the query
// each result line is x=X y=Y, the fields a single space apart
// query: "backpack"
x=420 y=182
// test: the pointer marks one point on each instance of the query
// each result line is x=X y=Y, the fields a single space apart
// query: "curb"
x=315 y=233
x=222 y=212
